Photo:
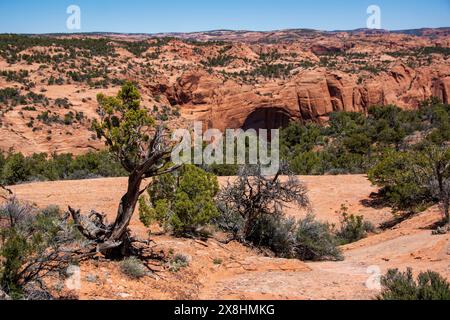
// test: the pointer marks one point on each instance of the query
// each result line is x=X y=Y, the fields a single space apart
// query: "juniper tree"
x=143 y=149
x=183 y=202
x=435 y=175
x=416 y=178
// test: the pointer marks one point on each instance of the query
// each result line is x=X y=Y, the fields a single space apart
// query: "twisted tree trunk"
x=120 y=232
x=113 y=240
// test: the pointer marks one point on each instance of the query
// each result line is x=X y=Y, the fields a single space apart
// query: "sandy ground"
x=232 y=271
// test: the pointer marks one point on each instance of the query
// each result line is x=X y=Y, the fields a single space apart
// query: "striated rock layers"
x=309 y=95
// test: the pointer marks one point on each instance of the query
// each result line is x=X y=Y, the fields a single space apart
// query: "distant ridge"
x=256 y=36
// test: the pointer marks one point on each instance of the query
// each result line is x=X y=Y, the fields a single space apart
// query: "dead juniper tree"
x=143 y=149
x=252 y=196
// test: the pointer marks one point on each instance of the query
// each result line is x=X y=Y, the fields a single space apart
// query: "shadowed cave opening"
x=267 y=118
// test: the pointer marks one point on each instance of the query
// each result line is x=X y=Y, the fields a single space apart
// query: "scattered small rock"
x=92 y=278
x=123 y=295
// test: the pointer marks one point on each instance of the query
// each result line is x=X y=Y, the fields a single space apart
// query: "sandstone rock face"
x=310 y=95
x=441 y=89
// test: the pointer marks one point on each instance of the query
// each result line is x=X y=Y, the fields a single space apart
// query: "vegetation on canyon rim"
x=406 y=153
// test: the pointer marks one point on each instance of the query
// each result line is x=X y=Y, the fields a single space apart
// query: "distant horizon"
x=220 y=30
x=178 y=16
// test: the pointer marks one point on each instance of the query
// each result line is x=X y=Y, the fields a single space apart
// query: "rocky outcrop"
x=310 y=95
x=441 y=89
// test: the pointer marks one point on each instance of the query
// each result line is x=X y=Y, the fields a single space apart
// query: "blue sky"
x=149 y=16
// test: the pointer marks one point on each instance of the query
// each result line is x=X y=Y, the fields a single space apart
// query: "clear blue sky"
x=150 y=16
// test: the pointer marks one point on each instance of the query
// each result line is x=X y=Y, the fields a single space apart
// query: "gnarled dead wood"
x=92 y=227
x=8 y=191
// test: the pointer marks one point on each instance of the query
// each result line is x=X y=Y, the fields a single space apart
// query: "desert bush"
x=229 y=221
x=353 y=227
x=402 y=286
x=316 y=241
x=182 y=202
x=276 y=233
x=133 y=268
x=69 y=118
x=252 y=211
x=271 y=71
x=222 y=170
x=414 y=179
x=48 y=118
x=253 y=195
x=20 y=76
x=136 y=47
x=354 y=143
x=219 y=61
x=2 y=162
x=178 y=262
x=301 y=138
x=312 y=163
x=16 y=168
x=399 y=183
x=33 y=244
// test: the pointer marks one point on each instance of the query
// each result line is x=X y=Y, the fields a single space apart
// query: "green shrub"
x=182 y=202
x=16 y=168
x=69 y=118
x=316 y=241
x=354 y=143
x=133 y=268
x=222 y=170
x=178 y=262
x=272 y=71
x=2 y=163
x=353 y=228
x=219 y=61
x=311 y=163
x=275 y=233
x=402 y=286
x=398 y=182
x=136 y=47
x=414 y=179
x=33 y=243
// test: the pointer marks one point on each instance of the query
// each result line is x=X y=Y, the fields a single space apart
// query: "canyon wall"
x=309 y=95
